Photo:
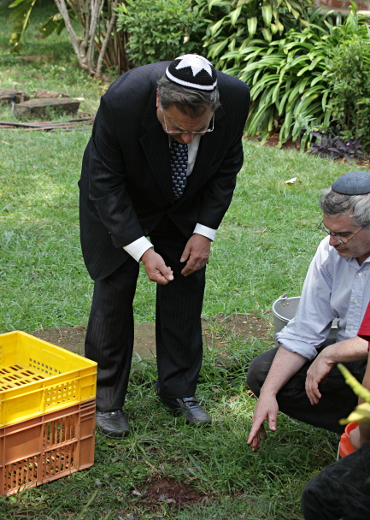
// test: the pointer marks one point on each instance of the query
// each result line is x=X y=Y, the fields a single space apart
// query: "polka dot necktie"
x=179 y=165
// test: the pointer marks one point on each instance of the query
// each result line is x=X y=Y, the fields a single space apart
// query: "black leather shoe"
x=190 y=407
x=112 y=424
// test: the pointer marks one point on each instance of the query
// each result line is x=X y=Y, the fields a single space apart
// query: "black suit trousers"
x=110 y=332
x=337 y=401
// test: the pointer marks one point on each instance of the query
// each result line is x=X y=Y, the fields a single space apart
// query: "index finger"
x=189 y=268
x=256 y=443
x=163 y=277
x=314 y=396
x=255 y=432
x=313 y=393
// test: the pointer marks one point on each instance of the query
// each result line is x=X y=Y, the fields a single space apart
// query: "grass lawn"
x=262 y=250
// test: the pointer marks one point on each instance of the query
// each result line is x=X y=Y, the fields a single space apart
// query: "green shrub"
x=162 y=29
x=335 y=148
x=313 y=77
x=288 y=83
x=235 y=23
x=349 y=79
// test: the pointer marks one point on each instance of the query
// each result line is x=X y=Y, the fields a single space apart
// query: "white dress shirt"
x=137 y=248
x=334 y=287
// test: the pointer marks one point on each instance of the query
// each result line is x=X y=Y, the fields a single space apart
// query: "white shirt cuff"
x=205 y=231
x=137 y=248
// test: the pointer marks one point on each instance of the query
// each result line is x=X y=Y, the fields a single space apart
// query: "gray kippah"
x=352 y=183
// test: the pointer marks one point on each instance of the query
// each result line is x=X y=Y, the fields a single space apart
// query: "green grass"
x=213 y=463
x=48 y=63
x=262 y=250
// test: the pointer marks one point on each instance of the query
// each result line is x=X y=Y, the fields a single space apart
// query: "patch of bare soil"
x=241 y=325
x=70 y=338
x=273 y=140
x=171 y=492
x=246 y=325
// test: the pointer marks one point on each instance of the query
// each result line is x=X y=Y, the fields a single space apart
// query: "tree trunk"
x=76 y=44
x=89 y=13
x=106 y=40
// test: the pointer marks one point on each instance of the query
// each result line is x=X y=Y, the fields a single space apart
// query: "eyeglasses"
x=325 y=230
x=180 y=132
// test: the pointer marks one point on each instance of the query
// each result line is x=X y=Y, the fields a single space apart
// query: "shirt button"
x=355 y=301
x=351 y=328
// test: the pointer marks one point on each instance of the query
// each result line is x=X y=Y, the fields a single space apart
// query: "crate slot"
x=17 y=375
x=19 y=474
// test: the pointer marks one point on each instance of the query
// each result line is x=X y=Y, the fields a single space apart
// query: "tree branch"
x=96 y=7
x=106 y=40
x=61 y=5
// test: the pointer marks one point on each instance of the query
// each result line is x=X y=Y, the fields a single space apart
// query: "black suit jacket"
x=125 y=185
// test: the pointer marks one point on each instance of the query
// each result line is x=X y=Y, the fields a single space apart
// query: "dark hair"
x=355 y=206
x=190 y=101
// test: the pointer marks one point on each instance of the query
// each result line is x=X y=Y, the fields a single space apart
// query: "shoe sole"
x=200 y=423
x=180 y=413
x=113 y=435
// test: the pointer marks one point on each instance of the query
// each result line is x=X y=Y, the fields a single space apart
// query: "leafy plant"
x=20 y=19
x=288 y=82
x=100 y=43
x=237 y=22
x=161 y=29
x=362 y=411
x=349 y=78
x=335 y=147
x=296 y=83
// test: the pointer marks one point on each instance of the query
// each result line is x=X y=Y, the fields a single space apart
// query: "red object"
x=364 y=330
x=345 y=445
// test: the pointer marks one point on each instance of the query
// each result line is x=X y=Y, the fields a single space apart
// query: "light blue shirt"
x=334 y=287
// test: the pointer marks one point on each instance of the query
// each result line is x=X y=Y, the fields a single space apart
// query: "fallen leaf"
x=234 y=398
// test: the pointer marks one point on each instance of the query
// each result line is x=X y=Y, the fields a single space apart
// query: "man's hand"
x=195 y=254
x=316 y=374
x=346 y=351
x=155 y=267
x=354 y=436
x=284 y=366
x=267 y=409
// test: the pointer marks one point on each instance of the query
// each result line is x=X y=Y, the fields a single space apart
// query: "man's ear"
x=157 y=100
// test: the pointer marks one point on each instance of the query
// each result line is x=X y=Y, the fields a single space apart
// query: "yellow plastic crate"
x=37 y=377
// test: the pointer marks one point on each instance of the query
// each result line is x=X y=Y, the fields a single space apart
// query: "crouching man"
x=300 y=377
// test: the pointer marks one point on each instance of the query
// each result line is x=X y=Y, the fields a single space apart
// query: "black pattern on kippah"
x=193 y=71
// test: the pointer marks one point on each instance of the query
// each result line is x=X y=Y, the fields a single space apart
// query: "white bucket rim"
x=283 y=297
x=334 y=324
